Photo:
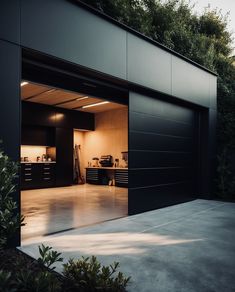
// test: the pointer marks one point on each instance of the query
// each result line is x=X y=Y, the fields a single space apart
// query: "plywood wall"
x=109 y=138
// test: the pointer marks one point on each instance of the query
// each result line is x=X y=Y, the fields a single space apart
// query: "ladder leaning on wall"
x=78 y=178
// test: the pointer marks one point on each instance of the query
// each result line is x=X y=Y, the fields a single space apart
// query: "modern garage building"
x=171 y=100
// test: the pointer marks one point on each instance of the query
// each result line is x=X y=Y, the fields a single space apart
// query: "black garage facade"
x=171 y=100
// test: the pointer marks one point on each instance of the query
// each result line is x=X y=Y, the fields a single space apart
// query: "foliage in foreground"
x=10 y=221
x=24 y=274
x=203 y=38
x=88 y=275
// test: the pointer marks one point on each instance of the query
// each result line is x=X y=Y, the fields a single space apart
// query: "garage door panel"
x=159 y=196
x=150 y=177
x=162 y=153
x=160 y=108
x=155 y=142
x=158 y=125
x=146 y=159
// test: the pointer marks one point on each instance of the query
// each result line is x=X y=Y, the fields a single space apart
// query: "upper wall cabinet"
x=190 y=83
x=10 y=20
x=64 y=30
x=148 y=65
x=38 y=115
x=37 y=135
x=42 y=115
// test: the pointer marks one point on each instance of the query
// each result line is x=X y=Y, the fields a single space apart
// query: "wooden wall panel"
x=31 y=89
x=110 y=137
x=79 y=103
x=41 y=94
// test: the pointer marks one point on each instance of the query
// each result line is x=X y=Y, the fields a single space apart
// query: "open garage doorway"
x=74 y=159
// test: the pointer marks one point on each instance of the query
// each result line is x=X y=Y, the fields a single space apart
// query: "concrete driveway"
x=187 y=247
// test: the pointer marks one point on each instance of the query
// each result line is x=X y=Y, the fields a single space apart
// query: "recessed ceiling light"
x=81 y=98
x=23 y=83
x=95 y=104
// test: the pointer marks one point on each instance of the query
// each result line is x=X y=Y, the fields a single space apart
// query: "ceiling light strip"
x=95 y=104
x=23 y=83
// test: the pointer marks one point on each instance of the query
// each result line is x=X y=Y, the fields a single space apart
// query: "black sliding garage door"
x=162 y=153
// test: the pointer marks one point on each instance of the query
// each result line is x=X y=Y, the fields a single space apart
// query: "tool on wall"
x=78 y=178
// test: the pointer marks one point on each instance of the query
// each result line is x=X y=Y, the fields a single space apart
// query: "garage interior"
x=74 y=159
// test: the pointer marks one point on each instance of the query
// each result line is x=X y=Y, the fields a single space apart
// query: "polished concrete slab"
x=55 y=209
x=184 y=248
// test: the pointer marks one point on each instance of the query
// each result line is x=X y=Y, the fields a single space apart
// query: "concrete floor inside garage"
x=186 y=247
x=53 y=210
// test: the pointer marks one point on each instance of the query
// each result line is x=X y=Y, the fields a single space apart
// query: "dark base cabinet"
x=93 y=176
x=37 y=175
x=100 y=176
x=121 y=178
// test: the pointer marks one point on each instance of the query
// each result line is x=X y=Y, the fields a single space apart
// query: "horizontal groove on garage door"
x=140 y=121
x=163 y=185
x=146 y=141
x=162 y=135
x=159 y=196
x=165 y=118
x=145 y=104
x=146 y=177
x=146 y=159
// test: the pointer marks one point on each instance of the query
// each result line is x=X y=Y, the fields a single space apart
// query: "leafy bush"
x=10 y=221
x=43 y=278
x=225 y=175
x=87 y=275
x=48 y=257
x=6 y=282
x=23 y=274
x=43 y=281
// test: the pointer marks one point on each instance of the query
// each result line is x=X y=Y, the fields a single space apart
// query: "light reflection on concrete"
x=115 y=243
x=56 y=209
